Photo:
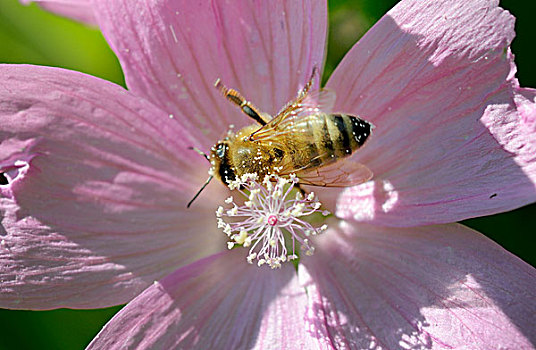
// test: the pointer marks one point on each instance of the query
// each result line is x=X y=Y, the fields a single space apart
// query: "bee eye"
x=221 y=148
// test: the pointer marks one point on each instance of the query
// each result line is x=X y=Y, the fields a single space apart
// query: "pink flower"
x=96 y=180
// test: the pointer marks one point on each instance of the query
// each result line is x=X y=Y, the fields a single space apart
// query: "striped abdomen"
x=330 y=137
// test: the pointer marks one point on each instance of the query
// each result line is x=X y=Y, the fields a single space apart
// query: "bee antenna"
x=200 y=190
x=315 y=71
x=200 y=152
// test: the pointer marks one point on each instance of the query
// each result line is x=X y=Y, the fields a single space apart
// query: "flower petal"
x=172 y=52
x=220 y=302
x=451 y=142
x=98 y=180
x=79 y=10
x=435 y=287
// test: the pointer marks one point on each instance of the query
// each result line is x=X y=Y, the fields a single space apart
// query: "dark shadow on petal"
x=3 y=179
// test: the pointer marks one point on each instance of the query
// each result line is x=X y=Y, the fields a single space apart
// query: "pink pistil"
x=272 y=220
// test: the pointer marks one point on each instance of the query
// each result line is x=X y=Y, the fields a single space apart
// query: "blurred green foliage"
x=30 y=35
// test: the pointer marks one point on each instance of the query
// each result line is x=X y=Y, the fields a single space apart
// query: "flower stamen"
x=269 y=217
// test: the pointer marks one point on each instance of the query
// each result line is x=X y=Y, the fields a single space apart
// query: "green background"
x=30 y=35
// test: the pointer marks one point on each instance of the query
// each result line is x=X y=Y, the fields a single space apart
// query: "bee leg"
x=303 y=92
x=302 y=191
x=246 y=106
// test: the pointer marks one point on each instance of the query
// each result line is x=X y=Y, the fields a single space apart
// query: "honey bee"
x=305 y=138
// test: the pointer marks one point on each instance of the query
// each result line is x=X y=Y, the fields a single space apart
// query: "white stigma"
x=268 y=218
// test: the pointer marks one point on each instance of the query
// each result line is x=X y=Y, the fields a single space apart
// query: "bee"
x=305 y=138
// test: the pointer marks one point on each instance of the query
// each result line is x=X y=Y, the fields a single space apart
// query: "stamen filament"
x=269 y=218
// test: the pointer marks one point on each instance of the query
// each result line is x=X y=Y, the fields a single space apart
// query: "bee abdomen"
x=346 y=133
x=324 y=138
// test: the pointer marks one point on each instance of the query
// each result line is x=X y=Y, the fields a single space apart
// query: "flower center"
x=271 y=221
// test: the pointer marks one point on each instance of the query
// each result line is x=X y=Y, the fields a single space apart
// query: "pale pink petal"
x=432 y=287
x=454 y=138
x=172 y=52
x=95 y=208
x=525 y=100
x=79 y=10
x=217 y=303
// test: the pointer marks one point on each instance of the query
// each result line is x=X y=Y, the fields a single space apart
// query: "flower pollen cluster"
x=270 y=220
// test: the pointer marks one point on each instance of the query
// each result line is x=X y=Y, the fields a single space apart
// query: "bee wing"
x=316 y=102
x=342 y=173
x=322 y=100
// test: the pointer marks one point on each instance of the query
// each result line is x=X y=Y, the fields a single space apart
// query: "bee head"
x=220 y=160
